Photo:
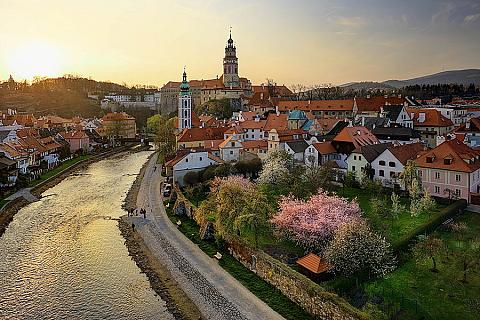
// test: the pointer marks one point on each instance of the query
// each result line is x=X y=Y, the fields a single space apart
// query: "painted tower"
x=230 y=65
x=184 y=105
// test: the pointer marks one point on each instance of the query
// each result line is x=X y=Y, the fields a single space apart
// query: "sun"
x=35 y=59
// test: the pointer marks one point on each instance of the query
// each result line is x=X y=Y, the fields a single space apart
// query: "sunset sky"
x=317 y=41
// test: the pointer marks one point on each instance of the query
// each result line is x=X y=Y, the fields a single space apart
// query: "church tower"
x=230 y=65
x=184 y=105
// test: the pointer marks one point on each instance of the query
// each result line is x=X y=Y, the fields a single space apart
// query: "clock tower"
x=184 y=105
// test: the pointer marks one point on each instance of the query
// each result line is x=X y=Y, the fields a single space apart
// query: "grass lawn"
x=392 y=228
x=422 y=294
x=263 y=290
x=58 y=169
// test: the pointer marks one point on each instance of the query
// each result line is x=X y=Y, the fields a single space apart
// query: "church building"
x=230 y=85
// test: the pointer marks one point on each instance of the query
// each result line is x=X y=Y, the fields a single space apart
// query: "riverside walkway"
x=215 y=292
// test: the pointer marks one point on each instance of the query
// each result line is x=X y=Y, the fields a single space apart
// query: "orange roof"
x=433 y=118
x=255 y=144
x=274 y=121
x=359 y=136
x=375 y=103
x=474 y=126
x=117 y=116
x=252 y=124
x=316 y=105
x=201 y=134
x=313 y=263
x=212 y=144
x=451 y=155
x=324 y=147
x=407 y=151
x=74 y=135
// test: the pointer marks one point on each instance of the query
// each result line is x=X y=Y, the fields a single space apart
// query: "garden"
x=360 y=228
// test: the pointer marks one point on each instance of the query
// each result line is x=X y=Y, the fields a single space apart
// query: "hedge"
x=430 y=226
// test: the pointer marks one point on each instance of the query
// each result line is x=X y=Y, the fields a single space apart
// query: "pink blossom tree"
x=312 y=223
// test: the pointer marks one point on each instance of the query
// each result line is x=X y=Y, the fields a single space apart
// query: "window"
x=231 y=152
x=437 y=175
x=186 y=160
x=458 y=177
x=392 y=174
x=391 y=164
x=420 y=173
x=201 y=158
x=381 y=173
x=353 y=168
x=437 y=189
x=381 y=162
x=458 y=193
x=360 y=158
x=354 y=157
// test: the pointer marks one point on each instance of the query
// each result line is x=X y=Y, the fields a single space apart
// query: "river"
x=63 y=258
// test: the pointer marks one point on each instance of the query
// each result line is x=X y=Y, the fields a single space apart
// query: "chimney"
x=368 y=96
x=385 y=96
x=309 y=101
x=421 y=117
x=363 y=121
x=467 y=125
x=261 y=96
x=358 y=132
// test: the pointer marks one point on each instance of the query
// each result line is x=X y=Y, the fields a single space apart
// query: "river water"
x=62 y=258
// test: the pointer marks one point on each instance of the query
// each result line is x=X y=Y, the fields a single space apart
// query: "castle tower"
x=230 y=65
x=184 y=104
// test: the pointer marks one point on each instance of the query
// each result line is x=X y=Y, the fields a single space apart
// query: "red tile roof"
x=407 y=151
x=313 y=263
x=324 y=147
x=255 y=144
x=451 y=155
x=373 y=104
x=359 y=136
x=274 y=121
x=316 y=105
x=433 y=118
x=201 y=134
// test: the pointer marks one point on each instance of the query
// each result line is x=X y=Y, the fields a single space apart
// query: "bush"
x=431 y=224
x=191 y=178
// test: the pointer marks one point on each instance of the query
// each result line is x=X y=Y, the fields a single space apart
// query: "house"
x=13 y=152
x=119 y=125
x=349 y=139
x=451 y=170
x=78 y=140
x=397 y=114
x=297 y=149
x=278 y=138
x=396 y=135
x=189 y=161
x=196 y=137
x=254 y=129
x=8 y=136
x=320 y=108
x=430 y=123
x=469 y=132
x=360 y=160
x=372 y=106
x=457 y=114
x=231 y=149
x=389 y=164
x=8 y=172
x=319 y=153
x=256 y=147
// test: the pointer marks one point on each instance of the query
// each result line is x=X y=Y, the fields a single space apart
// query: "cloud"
x=351 y=22
x=471 y=18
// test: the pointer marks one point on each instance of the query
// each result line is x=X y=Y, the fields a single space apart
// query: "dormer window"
x=430 y=159
x=447 y=161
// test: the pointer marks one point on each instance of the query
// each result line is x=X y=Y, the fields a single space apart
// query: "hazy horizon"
x=148 y=42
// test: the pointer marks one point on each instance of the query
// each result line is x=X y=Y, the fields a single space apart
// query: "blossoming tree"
x=313 y=222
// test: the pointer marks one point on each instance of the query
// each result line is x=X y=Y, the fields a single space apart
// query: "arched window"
x=185 y=113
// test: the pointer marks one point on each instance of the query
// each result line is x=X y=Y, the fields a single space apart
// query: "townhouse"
x=430 y=123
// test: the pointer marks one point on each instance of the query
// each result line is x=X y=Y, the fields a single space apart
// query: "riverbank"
x=10 y=208
x=161 y=281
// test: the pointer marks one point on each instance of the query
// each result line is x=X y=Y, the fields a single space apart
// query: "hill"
x=464 y=77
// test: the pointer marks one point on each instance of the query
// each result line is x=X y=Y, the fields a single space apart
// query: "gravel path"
x=216 y=293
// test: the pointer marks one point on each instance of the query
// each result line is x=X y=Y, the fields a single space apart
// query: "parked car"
x=167 y=190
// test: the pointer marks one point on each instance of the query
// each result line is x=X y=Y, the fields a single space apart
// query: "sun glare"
x=35 y=59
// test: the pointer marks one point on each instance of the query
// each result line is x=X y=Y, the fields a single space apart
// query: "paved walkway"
x=25 y=192
x=215 y=292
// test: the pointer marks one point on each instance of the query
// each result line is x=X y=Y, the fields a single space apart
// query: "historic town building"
x=230 y=85
x=184 y=105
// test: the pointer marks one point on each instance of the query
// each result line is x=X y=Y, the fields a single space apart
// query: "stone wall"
x=183 y=206
x=298 y=288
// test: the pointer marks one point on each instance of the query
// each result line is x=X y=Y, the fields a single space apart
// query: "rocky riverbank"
x=161 y=281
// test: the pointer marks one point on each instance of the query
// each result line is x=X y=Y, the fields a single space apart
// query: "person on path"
x=133 y=227
x=144 y=214
x=154 y=168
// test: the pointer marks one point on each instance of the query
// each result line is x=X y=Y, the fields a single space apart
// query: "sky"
x=293 y=42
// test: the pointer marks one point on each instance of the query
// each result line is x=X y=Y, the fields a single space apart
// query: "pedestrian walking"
x=133 y=227
x=154 y=168
x=144 y=214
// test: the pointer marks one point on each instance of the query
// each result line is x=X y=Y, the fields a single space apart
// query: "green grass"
x=57 y=170
x=393 y=228
x=423 y=294
x=2 y=202
x=263 y=290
